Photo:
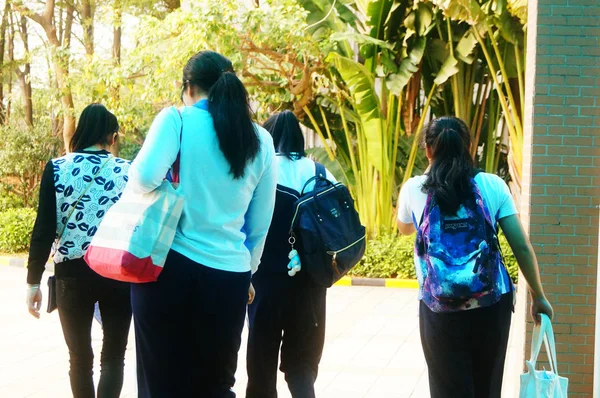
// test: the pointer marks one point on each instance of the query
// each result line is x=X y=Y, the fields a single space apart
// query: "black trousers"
x=76 y=297
x=188 y=330
x=287 y=312
x=465 y=351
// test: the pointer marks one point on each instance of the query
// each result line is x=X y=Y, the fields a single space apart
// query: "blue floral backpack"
x=459 y=255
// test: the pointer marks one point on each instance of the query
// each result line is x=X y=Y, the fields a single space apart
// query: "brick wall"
x=561 y=184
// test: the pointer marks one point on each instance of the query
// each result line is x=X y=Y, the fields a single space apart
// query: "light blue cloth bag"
x=543 y=383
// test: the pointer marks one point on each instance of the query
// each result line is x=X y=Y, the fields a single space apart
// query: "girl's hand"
x=540 y=305
x=34 y=300
x=251 y=293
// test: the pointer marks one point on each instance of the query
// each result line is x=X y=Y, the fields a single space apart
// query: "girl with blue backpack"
x=289 y=308
x=466 y=295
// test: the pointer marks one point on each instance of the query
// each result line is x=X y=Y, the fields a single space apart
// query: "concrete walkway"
x=372 y=350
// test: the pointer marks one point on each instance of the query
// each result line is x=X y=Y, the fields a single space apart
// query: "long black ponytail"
x=228 y=104
x=449 y=176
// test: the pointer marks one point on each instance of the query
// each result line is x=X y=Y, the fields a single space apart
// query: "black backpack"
x=327 y=231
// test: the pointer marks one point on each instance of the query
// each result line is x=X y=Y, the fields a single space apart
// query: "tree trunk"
x=66 y=43
x=172 y=5
x=116 y=54
x=60 y=59
x=25 y=75
x=117 y=32
x=87 y=21
x=3 y=28
x=11 y=59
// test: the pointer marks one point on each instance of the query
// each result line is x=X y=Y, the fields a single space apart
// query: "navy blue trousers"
x=465 y=350
x=188 y=328
x=287 y=313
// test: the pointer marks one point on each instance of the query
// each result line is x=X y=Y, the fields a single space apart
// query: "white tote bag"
x=543 y=383
x=136 y=234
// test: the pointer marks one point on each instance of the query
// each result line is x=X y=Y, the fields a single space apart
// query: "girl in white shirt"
x=464 y=337
x=288 y=311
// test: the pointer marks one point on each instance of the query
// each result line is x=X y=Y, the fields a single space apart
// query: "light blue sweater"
x=225 y=220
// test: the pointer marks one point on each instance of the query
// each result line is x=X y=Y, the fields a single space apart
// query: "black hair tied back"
x=449 y=177
x=228 y=104
x=287 y=134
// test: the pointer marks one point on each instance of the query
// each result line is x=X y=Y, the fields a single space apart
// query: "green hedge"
x=15 y=229
x=391 y=256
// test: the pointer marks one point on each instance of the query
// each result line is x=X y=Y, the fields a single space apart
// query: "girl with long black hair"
x=189 y=323
x=466 y=295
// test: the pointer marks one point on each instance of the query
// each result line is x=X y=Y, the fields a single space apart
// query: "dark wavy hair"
x=451 y=170
x=213 y=74
x=95 y=126
x=287 y=135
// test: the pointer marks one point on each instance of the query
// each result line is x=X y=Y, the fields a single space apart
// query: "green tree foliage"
x=364 y=75
x=15 y=229
x=24 y=150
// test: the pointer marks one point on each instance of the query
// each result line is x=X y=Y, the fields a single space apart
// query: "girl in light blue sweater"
x=189 y=323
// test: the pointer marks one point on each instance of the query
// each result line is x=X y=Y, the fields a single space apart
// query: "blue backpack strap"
x=320 y=170
x=427 y=208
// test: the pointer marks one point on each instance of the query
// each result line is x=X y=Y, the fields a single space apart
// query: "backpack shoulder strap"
x=427 y=208
x=320 y=170
x=477 y=171
x=320 y=173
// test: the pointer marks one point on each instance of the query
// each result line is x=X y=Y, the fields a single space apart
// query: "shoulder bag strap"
x=177 y=164
x=79 y=200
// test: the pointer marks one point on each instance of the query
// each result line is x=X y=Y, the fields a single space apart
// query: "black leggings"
x=76 y=297
x=465 y=350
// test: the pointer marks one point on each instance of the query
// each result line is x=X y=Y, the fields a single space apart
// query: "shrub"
x=391 y=256
x=15 y=229
x=387 y=256
x=24 y=151
x=509 y=258
x=10 y=200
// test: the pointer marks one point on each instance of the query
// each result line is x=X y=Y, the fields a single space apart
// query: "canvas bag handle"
x=543 y=332
x=176 y=167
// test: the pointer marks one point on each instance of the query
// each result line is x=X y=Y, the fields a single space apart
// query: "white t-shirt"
x=295 y=173
x=495 y=192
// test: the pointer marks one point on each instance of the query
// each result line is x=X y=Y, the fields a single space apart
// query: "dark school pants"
x=288 y=312
x=188 y=330
x=465 y=351
x=76 y=297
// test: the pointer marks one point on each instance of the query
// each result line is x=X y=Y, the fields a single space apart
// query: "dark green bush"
x=388 y=256
x=391 y=256
x=15 y=229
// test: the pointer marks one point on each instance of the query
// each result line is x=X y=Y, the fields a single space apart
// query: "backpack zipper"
x=306 y=200
x=335 y=252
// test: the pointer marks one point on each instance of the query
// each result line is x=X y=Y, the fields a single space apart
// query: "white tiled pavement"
x=372 y=349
